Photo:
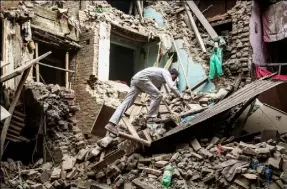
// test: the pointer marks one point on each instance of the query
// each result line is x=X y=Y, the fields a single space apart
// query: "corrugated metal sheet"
x=249 y=91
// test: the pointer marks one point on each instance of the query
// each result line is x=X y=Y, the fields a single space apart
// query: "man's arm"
x=169 y=83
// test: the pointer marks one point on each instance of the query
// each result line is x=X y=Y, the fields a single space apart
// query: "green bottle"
x=166 y=178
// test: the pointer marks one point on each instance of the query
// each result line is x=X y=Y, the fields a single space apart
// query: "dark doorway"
x=57 y=58
x=121 y=5
x=277 y=54
x=121 y=63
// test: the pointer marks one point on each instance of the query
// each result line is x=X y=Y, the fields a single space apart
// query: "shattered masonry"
x=51 y=143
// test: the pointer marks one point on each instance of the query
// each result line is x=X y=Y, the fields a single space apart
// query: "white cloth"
x=149 y=81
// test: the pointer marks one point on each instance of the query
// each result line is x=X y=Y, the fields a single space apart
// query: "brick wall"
x=241 y=53
x=86 y=61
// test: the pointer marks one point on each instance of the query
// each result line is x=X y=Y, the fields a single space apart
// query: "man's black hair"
x=173 y=71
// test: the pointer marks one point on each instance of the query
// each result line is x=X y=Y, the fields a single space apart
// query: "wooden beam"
x=136 y=139
x=139 y=9
x=12 y=107
x=37 y=65
x=202 y=19
x=3 y=64
x=108 y=160
x=67 y=73
x=147 y=135
x=44 y=138
x=195 y=29
x=131 y=7
x=55 y=67
x=4 y=39
x=130 y=127
x=199 y=84
x=22 y=68
x=180 y=63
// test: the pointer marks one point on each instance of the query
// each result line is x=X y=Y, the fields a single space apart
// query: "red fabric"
x=261 y=72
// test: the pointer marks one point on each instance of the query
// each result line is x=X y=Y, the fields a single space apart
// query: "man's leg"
x=156 y=97
x=128 y=102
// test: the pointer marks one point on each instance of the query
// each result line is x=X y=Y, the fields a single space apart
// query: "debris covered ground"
x=72 y=159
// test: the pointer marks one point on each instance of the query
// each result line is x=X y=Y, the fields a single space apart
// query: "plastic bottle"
x=166 y=178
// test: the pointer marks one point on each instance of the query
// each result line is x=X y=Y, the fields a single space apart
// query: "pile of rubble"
x=207 y=164
x=58 y=104
x=102 y=11
x=109 y=92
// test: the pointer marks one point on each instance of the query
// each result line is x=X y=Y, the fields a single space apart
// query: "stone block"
x=56 y=174
x=161 y=164
x=275 y=162
x=195 y=144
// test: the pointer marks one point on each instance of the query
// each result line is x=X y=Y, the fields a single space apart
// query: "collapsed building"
x=84 y=54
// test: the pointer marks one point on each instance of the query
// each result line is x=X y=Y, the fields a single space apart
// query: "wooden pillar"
x=67 y=67
x=37 y=65
x=4 y=38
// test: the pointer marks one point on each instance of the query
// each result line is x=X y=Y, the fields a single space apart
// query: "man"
x=148 y=80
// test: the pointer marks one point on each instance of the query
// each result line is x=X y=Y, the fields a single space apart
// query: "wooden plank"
x=136 y=111
x=138 y=3
x=55 y=67
x=22 y=68
x=199 y=84
x=3 y=64
x=18 y=124
x=202 y=19
x=67 y=68
x=37 y=65
x=44 y=138
x=15 y=127
x=107 y=160
x=168 y=63
x=13 y=105
x=12 y=129
x=4 y=39
x=136 y=139
x=147 y=135
x=17 y=112
x=21 y=119
x=130 y=127
x=129 y=111
x=195 y=29
x=131 y=7
x=180 y=63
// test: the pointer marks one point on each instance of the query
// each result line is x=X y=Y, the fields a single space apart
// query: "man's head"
x=174 y=73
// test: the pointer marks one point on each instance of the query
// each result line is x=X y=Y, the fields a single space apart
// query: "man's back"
x=154 y=74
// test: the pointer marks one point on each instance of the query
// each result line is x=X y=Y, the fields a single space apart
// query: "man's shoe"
x=112 y=128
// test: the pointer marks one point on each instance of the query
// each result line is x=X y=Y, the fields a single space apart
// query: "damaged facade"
x=83 y=56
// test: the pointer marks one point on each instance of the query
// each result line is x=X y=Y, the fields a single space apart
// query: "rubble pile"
x=201 y=164
x=63 y=135
x=102 y=11
x=178 y=26
x=109 y=92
